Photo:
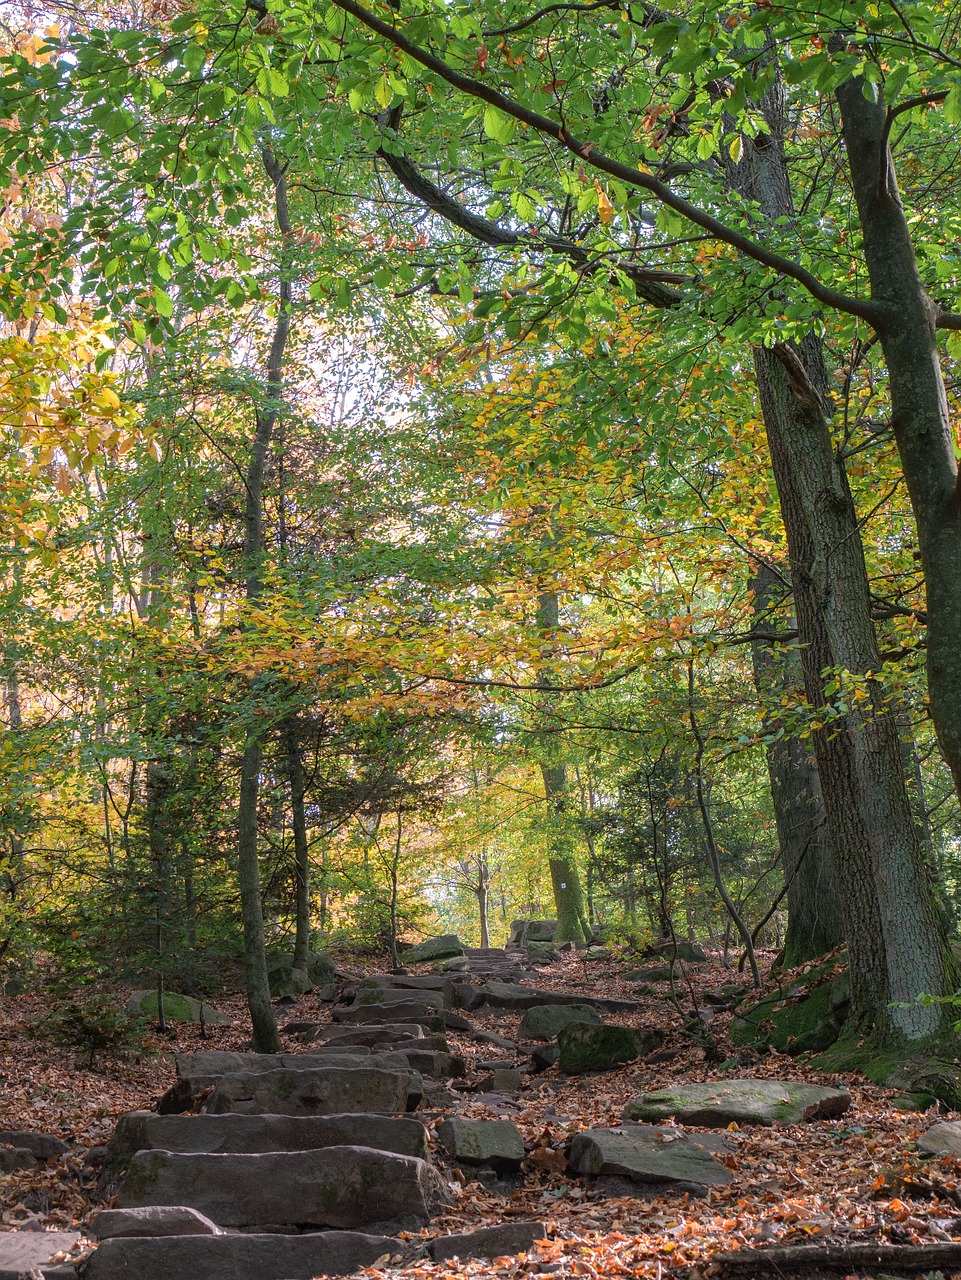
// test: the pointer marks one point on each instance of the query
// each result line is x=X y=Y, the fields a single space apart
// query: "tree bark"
x=266 y=1038
x=572 y=924
x=807 y=855
x=300 y=974
x=920 y=417
x=896 y=946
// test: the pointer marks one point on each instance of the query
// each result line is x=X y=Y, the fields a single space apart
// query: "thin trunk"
x=300 y=976
x=572 y=923
x=265 y=1035
x=483 y=886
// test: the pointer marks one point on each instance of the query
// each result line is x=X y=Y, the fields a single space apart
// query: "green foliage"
x=95 y=1026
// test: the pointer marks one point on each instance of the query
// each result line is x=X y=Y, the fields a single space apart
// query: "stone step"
x=255 y=1135
x=238 y=1257
x=321 y=1091
x=25 y=1253
x=344 y=1187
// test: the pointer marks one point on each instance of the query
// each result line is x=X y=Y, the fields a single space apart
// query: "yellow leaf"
x=605 y=209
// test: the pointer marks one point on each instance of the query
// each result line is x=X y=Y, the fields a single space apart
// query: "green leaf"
x=163 y=302
x=498 y=126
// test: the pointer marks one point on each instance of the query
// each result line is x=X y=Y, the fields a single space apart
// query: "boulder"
x=253 y=1135
x=18 y=1158
x=43 y=1146
x=496 y=1143
x=317 y=1092
x=510 y=995
x=545 y=1021
x=434 y=949
x=320 y=971
x=806 y=1015
x=143 y=1004
x=647 y=1155
x=506 y=1080
x=689 y=952
x=585 y=1046
x=505 y=1240
x=942 y=1139
x=410 y=982
x=744 y=1102
x=157 y=1220
x=342 y=1187
x=656 y=973
x=524 y=932
x=237 y=1257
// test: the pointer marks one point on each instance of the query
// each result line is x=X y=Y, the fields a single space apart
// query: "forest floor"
x=857 y=1179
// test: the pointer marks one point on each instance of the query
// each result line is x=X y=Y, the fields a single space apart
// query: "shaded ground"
x=851 y=1180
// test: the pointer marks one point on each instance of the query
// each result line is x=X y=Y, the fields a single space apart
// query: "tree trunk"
x=572 y=925
x=807 y=855
x=266 y=1038
x=920 y=417
x=896 y=946
x=300 y=975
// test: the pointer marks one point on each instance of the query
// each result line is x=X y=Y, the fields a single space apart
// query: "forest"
x=472 y=464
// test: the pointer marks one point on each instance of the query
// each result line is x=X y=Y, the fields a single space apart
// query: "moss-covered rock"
x=805 y=1015
x=586 y=1047
x=545 y=1021
x=749 y=1102
x=177 y=1008
x=285 y=982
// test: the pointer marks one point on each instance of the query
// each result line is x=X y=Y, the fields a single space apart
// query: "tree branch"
x=866 y=309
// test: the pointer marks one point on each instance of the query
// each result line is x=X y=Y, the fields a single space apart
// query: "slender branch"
x=868 y=310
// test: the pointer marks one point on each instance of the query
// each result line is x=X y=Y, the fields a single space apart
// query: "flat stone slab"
x=747 y=1102
x=510 y=995
x=647 y=1155
x=440 y=948
x=431 y=1019
x=376 y=1035
x=388 y=996
x=506 y=1240
x=238 y=1257
x=341 y=1187
x=155 y=1220
x=942 y=1139
x=318 y=1092
x=253 y=1135
x=497 y=1143
x=23 y=1251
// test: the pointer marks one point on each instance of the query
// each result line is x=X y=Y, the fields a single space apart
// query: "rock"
x=157 y=1220
x=44 y=1146
x=320 y=971
x=443 y=1066
x=22 y=1253
x=322 y=1091
x=544 y=1021
x=456 y=964
x=507 y=1080
x=509 y=995
x=342 y=1187
x=143 y=1004
x=409 y=1011
x=18 y=1158
x=506 y=1240
x=806 y=1015
x=524 y=932
x=545 y=1055
x=496 y=1143
x=648 y=1155
x=656 y=973
x=942 y=1139
x=746 y=1102
x=690 y=952
x=385 y=997
x=491 y=1037
x=412 y=982
x=238 y=1257
x=457 y=1022
x=253 y=1135
x=585 y=1047
x=377 y=1035
x=441 y=948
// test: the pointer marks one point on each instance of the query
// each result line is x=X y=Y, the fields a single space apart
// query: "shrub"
x=94 y=1026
